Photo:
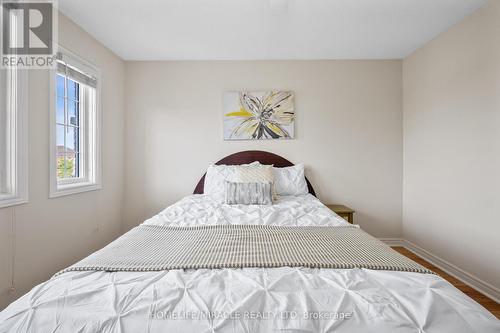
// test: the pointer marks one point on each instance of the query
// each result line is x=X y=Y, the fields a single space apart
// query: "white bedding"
x=247 y=300
x=303 y=210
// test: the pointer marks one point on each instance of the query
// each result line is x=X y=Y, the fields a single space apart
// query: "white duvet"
x=304 y=210
x=247 y=300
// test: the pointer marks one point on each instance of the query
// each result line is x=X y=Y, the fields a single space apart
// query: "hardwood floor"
x=488 y=303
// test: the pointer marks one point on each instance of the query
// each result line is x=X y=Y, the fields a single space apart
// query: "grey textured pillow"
x=248 y=193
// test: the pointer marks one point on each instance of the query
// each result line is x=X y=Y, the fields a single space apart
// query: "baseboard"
x=392 y=241
x=458 y=273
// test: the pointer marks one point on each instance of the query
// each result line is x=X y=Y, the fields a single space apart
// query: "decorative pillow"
x=248 y=193
x=216 y=176
x=290 y=180
x=255 y=173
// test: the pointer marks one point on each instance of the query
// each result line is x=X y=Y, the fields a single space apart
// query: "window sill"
x=69 y=189
x=8 y=201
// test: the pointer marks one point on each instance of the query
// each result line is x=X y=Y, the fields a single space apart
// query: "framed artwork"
x=258 y=115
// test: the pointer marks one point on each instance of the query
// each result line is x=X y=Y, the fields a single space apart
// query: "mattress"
x=281 y=299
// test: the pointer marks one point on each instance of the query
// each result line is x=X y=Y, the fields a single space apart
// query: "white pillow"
x=290 y=180
x=255 y=173
x=216 y=177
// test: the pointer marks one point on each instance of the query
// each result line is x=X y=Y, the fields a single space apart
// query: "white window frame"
x=16 y=132
x=90 y=145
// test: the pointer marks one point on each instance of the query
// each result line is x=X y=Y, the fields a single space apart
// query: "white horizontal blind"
x=65 y=67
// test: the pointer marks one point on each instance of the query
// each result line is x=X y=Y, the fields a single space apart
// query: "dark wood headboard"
x=249 y=156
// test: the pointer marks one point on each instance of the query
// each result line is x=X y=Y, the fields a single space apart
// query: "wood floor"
x=488 y=303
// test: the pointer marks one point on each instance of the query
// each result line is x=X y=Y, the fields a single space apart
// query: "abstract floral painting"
x=258 y=115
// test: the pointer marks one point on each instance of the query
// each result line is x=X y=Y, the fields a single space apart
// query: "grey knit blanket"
x=155 y=248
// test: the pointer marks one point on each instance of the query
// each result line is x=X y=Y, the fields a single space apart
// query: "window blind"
x=73 y=73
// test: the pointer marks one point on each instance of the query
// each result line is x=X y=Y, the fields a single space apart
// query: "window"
x=75 y=149
x=68 y=134
x=13 y=133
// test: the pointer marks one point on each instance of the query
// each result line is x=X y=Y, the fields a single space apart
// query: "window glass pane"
x=71 y=165
x=67 y=165
x=73 y=88
x=60 y=85
x=60 y=110
x=72 y=139
x=73 y=113
x=60 y=139
x=61 y=166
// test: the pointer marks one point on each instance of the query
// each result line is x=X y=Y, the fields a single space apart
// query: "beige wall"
x=452 y=145
x=348 y=131
x=50 y=234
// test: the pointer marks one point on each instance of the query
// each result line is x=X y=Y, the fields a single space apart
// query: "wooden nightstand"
x=344 y=211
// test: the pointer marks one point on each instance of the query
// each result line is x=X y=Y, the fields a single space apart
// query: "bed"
x=243 y=298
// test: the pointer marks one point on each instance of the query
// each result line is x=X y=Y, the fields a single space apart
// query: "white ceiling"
x=265 y=29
